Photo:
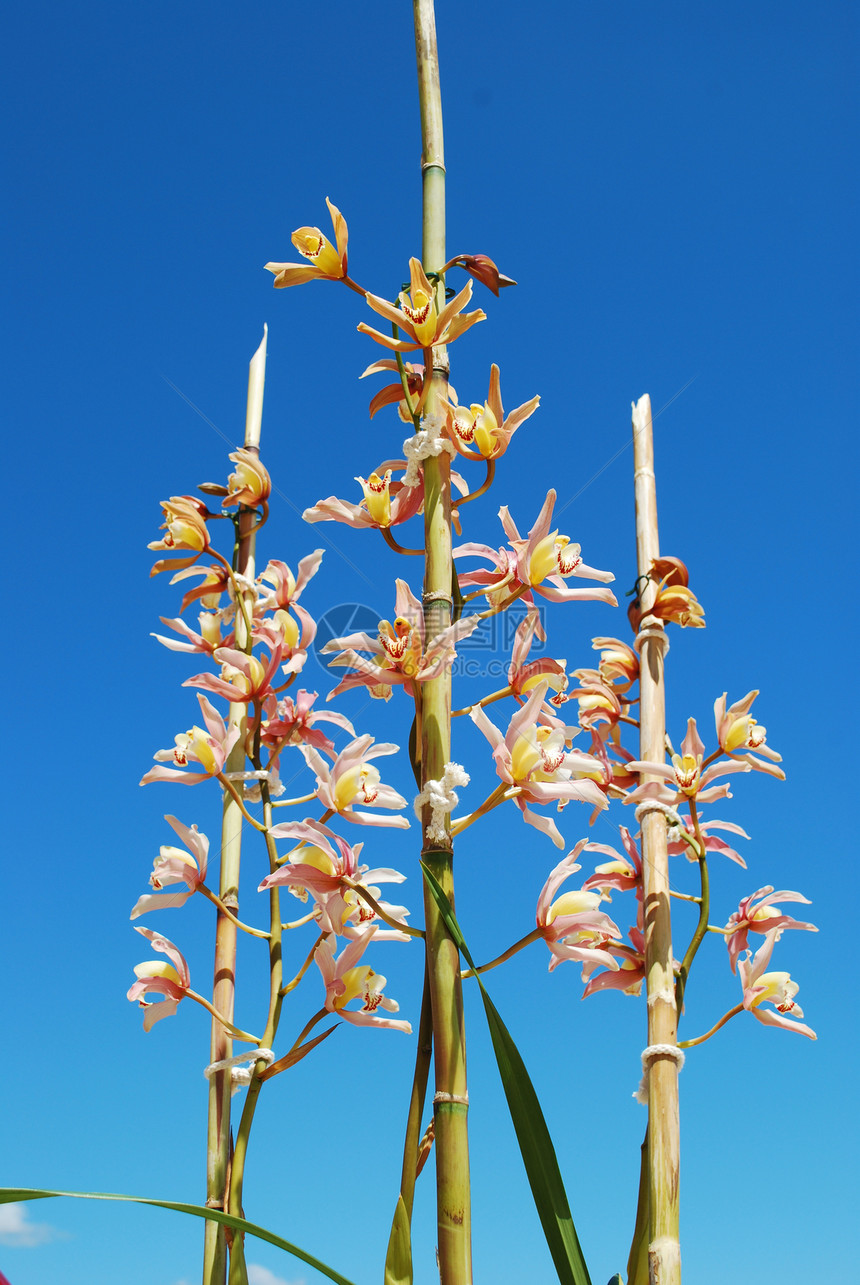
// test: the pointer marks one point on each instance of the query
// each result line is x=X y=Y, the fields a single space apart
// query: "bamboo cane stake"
x=449 y=1043
x=223 y=990
x=664 y=1253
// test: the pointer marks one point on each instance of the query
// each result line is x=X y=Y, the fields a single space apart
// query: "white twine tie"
x=425 y=444
x=648 y=1056
x=240 y=1075
x=442 y=800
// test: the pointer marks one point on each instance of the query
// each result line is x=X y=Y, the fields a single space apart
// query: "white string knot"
x=252 y=793
x=653 y=805
x=651 y=629
x=442 y=799
x=425 y=444
x=240 y=1075
x=648 y=1056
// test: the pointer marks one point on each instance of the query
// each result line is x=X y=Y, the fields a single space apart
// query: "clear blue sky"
x=675 y=190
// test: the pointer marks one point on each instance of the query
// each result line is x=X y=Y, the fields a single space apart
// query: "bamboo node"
x=437 y=595
x=239 y=1075
x=461 y=1098
x=648 y=1055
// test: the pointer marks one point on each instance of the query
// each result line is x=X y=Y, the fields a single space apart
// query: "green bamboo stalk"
x=449 y=1042
x=663 y=1166
x=218 y=1144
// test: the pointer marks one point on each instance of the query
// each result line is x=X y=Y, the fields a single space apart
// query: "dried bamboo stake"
x=223 y=991
x=664 y=1253
x=449 y=1043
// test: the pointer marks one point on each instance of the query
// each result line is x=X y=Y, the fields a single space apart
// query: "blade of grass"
x=17 y=1194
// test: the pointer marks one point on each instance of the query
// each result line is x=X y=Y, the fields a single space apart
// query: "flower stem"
x=700 y=1039
x=398 y=548
x=704 y=910
x=534 y=935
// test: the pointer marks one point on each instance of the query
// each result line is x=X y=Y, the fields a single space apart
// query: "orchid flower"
x=484 y=429
x=540 y=563
x=620 y=873
x=677 y=844
x=288 y=636
x=774 y=988
x=737 y=731
x=250 y=484
x=209 y=748
x=243 y=678
x=535 y=763
x=319 y=865
x=203 y=642
x=325 y=263
x=417 y=317
x=392 y=394
x=630 y=973
x=293 y=724
x=398 y=656
x=351 y=780
x=572 y=926
x=286 y=588
x=757 y=913
x=675 y=602
x=617 y=661
x=385 y=504
x=172 y=865
x=685 y=777
x=346 y=980
x=171 y=980
x=483 y=269
x=215 y=582
x=598 y=700
x=185 y=525
x=524 y=676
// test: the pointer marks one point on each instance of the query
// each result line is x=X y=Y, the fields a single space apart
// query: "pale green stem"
x=225 y=910
x=704 y=911
x=499 y=795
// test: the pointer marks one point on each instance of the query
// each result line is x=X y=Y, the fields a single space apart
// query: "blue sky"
x=675 y=191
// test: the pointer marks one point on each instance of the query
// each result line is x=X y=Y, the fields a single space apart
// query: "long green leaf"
x=9 y=1194
x=536 y=1148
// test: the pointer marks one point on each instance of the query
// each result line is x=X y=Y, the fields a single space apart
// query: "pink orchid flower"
x=685 y=777
x=293 y=724
x=185 y=526
x=209 y=748
x=617 y=662
x=620 y=873
x=757 y=913
x=737 y=731
x=385 y=504
x=417 y=317
x=351 y=780
x=398 y=656
x=286 y=588
x=483 y=432
x=598 y=700
x=215 y=582
x=774 y=988
x=289 y=636
x=204 y=642
x=533 y=760
x=540 y=564
x=713 y=843
x=172 y=865
x=170 y=980
x=524 y=675
x=572 y=926
x=243 y=678
x=325 y=263
x=250 y=484
x=483 y=269
x=392 y=394
x=346 y=980
x=630 y=973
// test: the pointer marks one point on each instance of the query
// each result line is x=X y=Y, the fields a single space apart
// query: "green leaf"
x=538 y=1153
x=8 y=1194
x=398 y=1260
